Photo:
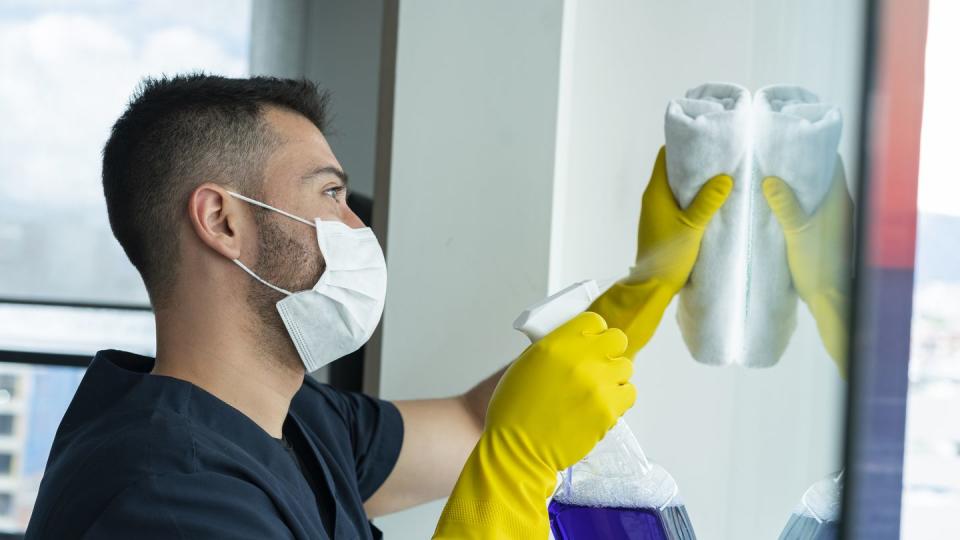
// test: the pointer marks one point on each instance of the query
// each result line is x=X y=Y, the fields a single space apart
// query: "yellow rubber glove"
x=668 y=241
x=819 y=255
x=552 y=406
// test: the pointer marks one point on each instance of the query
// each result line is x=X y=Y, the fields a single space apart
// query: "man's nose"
x=352 y=220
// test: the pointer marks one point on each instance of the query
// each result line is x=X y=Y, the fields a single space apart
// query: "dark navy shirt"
x=146 y=456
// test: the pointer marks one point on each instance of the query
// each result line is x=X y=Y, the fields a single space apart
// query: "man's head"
x=182 y=143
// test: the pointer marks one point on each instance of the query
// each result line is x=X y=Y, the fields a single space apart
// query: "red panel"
x=895 y=143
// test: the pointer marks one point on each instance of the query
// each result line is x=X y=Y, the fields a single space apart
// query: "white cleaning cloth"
x=739 y=307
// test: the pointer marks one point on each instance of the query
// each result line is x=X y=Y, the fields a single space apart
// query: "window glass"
x=76 y=64
x=742 y=386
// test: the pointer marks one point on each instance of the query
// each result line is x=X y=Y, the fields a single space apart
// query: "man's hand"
x=668 y=242
x=818 y=254
x=549 y=410
x=668 y=237
x=564 y=393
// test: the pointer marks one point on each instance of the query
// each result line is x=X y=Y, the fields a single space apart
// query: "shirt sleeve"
x=376 y=434
x=189 y=506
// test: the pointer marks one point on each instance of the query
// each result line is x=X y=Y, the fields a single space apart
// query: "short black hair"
x=177 y=133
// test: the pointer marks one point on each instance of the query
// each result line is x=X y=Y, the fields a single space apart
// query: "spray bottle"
x=614 y=492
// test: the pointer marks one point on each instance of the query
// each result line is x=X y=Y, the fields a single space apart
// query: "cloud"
x=67 y=75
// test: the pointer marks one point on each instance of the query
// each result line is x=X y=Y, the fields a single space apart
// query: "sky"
x=69 y=68
x=939 y=190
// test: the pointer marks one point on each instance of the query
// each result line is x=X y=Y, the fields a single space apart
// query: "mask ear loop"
x=268 y=207
x=279 y=211
x=260 y=279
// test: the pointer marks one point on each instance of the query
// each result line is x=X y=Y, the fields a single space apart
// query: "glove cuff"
x=487 y=519
x=502 y=492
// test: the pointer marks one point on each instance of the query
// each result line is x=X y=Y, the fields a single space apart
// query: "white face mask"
x=338 y=315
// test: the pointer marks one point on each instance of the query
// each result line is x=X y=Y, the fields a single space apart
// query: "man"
x=228 y=200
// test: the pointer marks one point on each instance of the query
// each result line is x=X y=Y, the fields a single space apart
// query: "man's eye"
x=335 y=192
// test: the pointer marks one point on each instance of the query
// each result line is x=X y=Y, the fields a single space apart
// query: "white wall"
x=343 y=55
x=276 y=38
x=743 y=444
x=335 y=43
x=470 y=197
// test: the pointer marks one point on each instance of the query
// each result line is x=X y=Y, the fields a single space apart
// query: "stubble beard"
x=288 y=262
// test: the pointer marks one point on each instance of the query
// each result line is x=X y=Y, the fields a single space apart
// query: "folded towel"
x=739 y=306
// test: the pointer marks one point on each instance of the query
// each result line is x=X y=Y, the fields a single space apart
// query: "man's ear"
x=216 y=218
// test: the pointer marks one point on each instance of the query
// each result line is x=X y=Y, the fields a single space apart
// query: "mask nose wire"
x=268 y=207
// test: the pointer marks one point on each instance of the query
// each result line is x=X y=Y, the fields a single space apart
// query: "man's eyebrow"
x=327 y=169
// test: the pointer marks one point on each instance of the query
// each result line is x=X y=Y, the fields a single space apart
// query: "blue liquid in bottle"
x=572 y=522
